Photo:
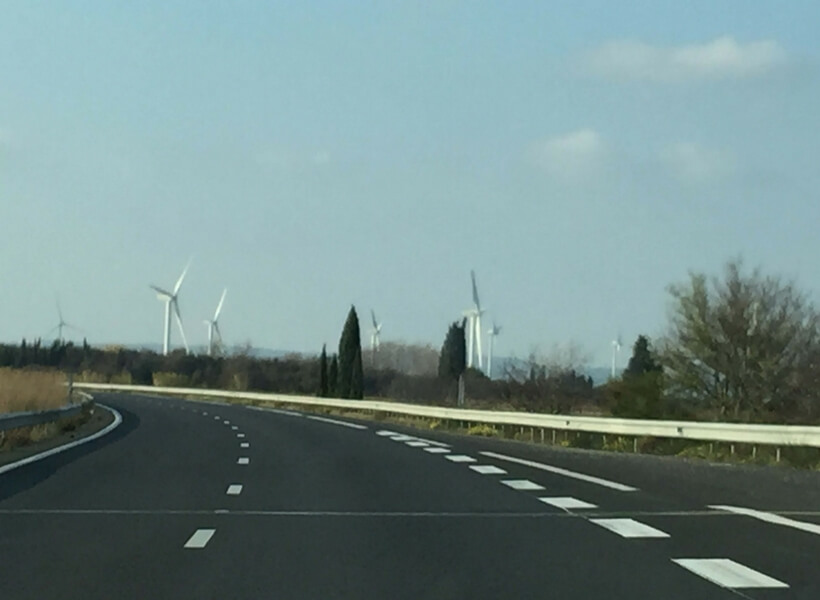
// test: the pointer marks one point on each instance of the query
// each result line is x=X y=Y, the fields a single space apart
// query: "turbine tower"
x=375 y=334
x=172 y=302
x=62 y=324
x=213 y=325
x=473 y=315
x=616 y=350
x=492 y=332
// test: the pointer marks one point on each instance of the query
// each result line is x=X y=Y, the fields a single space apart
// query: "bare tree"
x=741 y=345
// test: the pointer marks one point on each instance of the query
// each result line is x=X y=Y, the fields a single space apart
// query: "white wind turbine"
x=213 y=325
x=616 y=350
x=375 y=334
x=171 y=300
x=62 y=324
x=474 y=328
x=492 y=332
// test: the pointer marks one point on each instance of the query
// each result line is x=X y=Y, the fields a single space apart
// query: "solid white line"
x=565 y=472
x=244 y=445
x=200 y=538
x=234 y=427
x=234 y=489
x=488 y=469
x=35 y=457
x=240 y=435
x=417 y=444
x=567 y=502
x=437 y=450
x=522 y=484
x=727 y=573
x=460 y=458
x=278 y=411
x=243 y=460
x=769 y=518
x=335 y=422
x=630 y=528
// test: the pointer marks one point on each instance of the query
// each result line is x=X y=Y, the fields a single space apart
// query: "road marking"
x=417 y=444
x=567 y=502
x=400 y=437
x=335 y=422
x=488 y=469
x=385 y=432
x=216 y=418
x=204 y=414
x=727 y=573
x=630 y=528
x=227 y=422
x=769 y=518
x=565 y=472
x=278 y=411
x=30 y=459
x=240 y=435
x=522 y=484
x=433 y=442
x=244 y=445
x=234 y=489
x=437 y=450
x=460 y=458
x=200 y=538
x=234 y=427
x=244 y=460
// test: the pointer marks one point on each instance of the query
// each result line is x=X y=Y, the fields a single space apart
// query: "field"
x=23 y=390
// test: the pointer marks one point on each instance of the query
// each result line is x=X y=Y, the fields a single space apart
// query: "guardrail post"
x=777 y=454
x=754 y=451
x=635 y=445
x=553 y=437
x=542 y=435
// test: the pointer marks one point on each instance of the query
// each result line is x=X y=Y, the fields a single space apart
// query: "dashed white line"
x=386 y=432
x=460 y=458
x=630 y=528
x=234 y=427
x=278 y=411
x=488 y=469
x=216 y=418
x=770 y=518
x=727 y=573
x=417 y=444
x=522 y=484
x=244 y=445
x=567 y=502
x=400 y=437
x=437 y=450
x=335 y=422
x=227 y=422
x=204 y=414
x=200 y=538
x=240 y=435
x=244 y=460
x=565 y=472
x=234 y=489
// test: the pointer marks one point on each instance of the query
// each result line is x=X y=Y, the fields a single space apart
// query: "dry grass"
x=22 y=390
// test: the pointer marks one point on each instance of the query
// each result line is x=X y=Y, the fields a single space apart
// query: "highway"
x=198 y=500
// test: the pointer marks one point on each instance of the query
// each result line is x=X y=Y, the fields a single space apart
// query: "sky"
x=580 y=156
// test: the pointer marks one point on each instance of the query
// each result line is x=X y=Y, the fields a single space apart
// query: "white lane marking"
x=522 y=484
x=630 y=528
x=204 y=414
x=240 y=435
x=385 y=432
x=35 y=457
x=216 y=418
x=234 y=427
x=488 y=469
x=433 y=442
x=417 y=444
x=769 y=518
x=278 y=411
x=400 y=437
x=335 y=422
x=460 y=458
x=234 y=489
x=567 y=502
x=200 y=538
x=565 y=472
x=727 y=573
x=244 y=460
x=227 y=422
x=437 y=450
x=244 y=445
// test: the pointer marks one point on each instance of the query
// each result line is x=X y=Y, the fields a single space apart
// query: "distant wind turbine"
x=492 y=332
x=213 y=325
x=616 y=350
x=473 y=315
x=375 y=334
x=171 y=300
x=62 y=324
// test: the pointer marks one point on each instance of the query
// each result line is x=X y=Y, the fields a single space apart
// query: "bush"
x=483 y=430
x=165 y=379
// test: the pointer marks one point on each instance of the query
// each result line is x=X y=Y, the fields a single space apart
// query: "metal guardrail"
x=735 y=433
x=39 y=417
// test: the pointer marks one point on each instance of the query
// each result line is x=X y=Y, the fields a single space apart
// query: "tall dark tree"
x=453 y=358
x=642 y=360
x=322 y=392
x=357 y=378
x=333 y=376
x=350 y=347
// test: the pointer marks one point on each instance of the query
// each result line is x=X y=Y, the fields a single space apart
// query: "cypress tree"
x=333 y=376
x=349 y=348
x=357 y=378
x=453 y=358
x=642 y=360
x=322 y=392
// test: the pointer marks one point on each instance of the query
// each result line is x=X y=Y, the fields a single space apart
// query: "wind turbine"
x=376 y=333
x=171 y=301
x=474 y=328
x=59 y=327
x=492 y=332
x=213 y=325
x=616 y=350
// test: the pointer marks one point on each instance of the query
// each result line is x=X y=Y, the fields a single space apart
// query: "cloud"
x=694 y=164
x=721 y=59
x=570 y=155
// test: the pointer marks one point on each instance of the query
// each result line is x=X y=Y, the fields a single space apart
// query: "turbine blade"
x=179 y=324
x=219 y=306
x=373 y=316
x=216 y=330
x=59 y=310
x=161 y=293
x=475 y=291
x=181 y=277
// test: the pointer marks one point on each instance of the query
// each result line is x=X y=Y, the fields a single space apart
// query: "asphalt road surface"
x=195 y=500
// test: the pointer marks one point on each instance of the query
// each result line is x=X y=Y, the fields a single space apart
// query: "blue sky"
x=579 y=156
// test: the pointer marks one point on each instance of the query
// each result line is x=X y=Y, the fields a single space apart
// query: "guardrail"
x=734 y=433
x=39 y=417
